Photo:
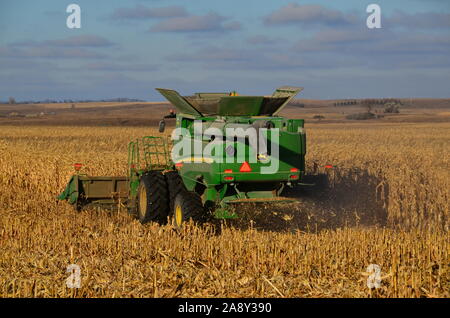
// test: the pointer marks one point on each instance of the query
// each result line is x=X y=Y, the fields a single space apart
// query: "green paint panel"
x=179 y=102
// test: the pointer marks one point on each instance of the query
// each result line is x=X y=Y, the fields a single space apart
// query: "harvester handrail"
x=133 y=156
x=154 y=154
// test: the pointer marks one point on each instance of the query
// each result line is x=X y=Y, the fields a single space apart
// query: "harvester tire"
x=175 y=185
x=152 y=198
x=187 y=206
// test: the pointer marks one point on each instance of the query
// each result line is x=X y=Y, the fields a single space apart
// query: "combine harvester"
x=160 y=186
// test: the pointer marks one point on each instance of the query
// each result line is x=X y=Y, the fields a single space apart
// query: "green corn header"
x=225 y=149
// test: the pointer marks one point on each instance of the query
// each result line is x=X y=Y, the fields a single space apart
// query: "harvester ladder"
x=149 y=153
x=155 y=152
x=133 y=156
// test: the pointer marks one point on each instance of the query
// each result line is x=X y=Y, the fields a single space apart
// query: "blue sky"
x=127 y=48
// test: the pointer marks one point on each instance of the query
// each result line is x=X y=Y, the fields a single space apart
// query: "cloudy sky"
x=127 y=48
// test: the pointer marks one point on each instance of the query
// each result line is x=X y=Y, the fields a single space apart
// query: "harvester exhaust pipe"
x=162 y=126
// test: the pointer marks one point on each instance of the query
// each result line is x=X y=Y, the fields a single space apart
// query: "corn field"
x=384 y=202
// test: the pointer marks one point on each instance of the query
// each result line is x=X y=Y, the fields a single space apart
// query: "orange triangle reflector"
x=245 y=167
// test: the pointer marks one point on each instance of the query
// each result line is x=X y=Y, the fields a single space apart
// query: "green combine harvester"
x=263 y=154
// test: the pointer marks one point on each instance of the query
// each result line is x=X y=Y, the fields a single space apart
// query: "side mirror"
x=162 y=126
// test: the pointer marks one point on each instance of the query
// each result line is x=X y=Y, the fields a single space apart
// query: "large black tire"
x=175 y=185
x=152 y=198
x=187 y=206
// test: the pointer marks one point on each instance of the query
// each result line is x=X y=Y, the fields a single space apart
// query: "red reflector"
x=178 y=165
x=245 y=167
x=293 y=176
x=328 y=166
x=294 y=170
x=229 y=178
x=77 y=166
x=228 y=171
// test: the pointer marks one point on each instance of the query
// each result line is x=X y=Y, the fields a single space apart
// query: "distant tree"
x=368 y=104
x=12 y=100
x=319 y=117
x=392 y=108
x=361 y=116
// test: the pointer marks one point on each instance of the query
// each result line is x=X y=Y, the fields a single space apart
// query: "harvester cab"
x=226 y=148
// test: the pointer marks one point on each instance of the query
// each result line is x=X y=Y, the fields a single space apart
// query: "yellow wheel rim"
x=142 y=201
x=178 y=215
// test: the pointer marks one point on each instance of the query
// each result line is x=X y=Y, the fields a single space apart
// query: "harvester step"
x=255 y=200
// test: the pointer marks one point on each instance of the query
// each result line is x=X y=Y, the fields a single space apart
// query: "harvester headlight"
x=263 y=157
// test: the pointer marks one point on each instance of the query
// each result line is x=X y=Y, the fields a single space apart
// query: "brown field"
x=386 y=202
x=149 y=113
